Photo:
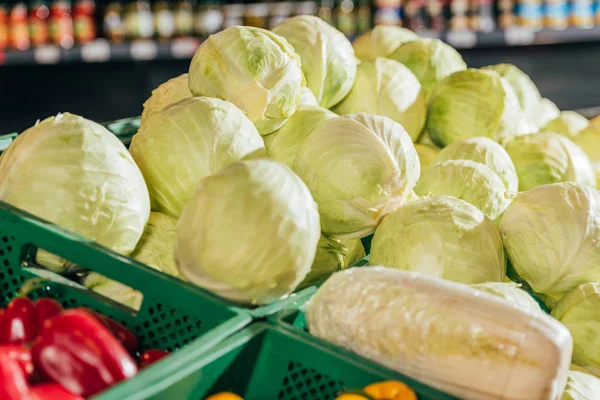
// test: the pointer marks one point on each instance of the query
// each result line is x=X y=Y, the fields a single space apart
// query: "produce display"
x=437 y=211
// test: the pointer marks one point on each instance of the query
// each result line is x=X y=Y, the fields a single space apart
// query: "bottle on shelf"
x=414 y=15
x=83 y=19
x=388 y=12
x=582 y=13
x=18 y=29
x=364 y=17
x=506 y=13
x=233 y=15
x=305 y=8
x=345 y=18
x=3 y=25
x=529 y=14
x=38 y=23
x=481 y=15
x=184 y=18
x=325 y=11
x=459 y=19
x=256 y=14
x=597 y=12
x=435 y=19
x=139 y=23
x=280 y=10
x=556 y=14
x=114 y=23
x=208 y=18
x=164 y=19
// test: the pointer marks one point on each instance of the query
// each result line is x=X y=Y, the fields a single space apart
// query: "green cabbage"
x=431 y=60
x=358 y=167
x=568 y=123
x=170 y=92
x=484 y=151
x=114 y=290
x=545 y=112
x=549 y=158
x=76 y=174
x=581 y=386
x=307 y=98
x=255 y=69
x=467 y=180
x=284 y=144
x=589 y=141
x=511 y=293
x=441 y=236
x=327 y=56
x=426 y=154
x=528 y=94
x=551 y=234
x=187 y=141
x=250 y=232
x=387 y=88
x=381 y=41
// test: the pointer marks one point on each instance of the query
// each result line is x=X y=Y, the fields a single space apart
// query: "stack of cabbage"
x=268 y=162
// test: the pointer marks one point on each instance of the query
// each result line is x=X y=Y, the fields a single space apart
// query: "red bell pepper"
x=52 y=391
x=13 y=385
x=151 y=356
x=124 y=335
x=47 y=308
x=21 y=355
x=20 y=323
x=75 y=350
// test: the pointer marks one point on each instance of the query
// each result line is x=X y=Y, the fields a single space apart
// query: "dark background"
x=567 y=74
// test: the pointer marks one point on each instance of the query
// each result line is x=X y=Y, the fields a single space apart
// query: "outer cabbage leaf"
x=568 y=123
x=545 y=112
x=581 y=386
x=358 y=167
x=426 y=154
x=253 y=68
x=218 y=231
x=441 y=236
x=381 y=41
x=589 y=141
x=528 y=94
x=307 y=98
x=170 y=92
x=114 y=290
x=511 y=293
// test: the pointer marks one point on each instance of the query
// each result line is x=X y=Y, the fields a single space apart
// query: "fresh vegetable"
x=426 y=154
x=441 y=236
x=528 y=94
x=327 y=57
x=189 y=140
x=307 y=98
x=511 y=293
x=76 y=174
x=545 y=112
x=217 y=232
x=47 y=308
x=52 y=391
x=22 y=355
x=387 y=88
x=551 y=235
x=114 y=290
x=76 y=351
x=149 y=357
x=253 y=68
x=224 y=396
x=20 y=323
x=286 y=141
x=431 y=60
x=393 y=390
x=589 y=141
x=443 y=334
x=467 y=180
x=568 y=123
x=549 y=158
x=119 y=331
x=359 y=168
x=381 y=41
x=168 y=93
x=581 y=386
x=484 y=151
x=13 y=385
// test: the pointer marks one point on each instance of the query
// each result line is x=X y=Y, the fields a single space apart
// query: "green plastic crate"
x=265 y=362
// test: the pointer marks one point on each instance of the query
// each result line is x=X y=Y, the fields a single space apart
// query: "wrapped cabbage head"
x=431 y=60
x=307 y=98
x=156 y=248
x=467 y=180
x=426 y=154
x=475 y=102
x=114 y=290
x=549 y=158
x=551 y=235
x=441 y=236
x=579 y=311
x=358 y=167
x=381 y=41
x=484 y=151
x=76 y=174
x=446 y=335
x=589 y=141
x=187 y=141
x=253 y=68
x=285 y=143
x=528 y=94
x=545 y=112
x=511 y=293
x=581 y=386
x=327 y=56
x=170 y=92
x=387 y=88
x=568 y=123
x=217 y=233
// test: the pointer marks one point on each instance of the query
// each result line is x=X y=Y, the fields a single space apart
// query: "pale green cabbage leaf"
x=568 y=123
x=381 y=41
x=581 y=386
x=528 y=94
x=511 y=293
x=170 y=92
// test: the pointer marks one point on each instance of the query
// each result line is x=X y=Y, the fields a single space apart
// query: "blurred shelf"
x=101 y=50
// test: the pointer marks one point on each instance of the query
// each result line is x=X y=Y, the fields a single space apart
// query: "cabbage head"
x=549 y=158
x=568 y=123
x=579 y=311
x=170 y=92
x=219 y=232
x=387 y=88
x=285 y=143
x=467 y=180
x=358 y=167
x=528 y=94
x=484 y=151
x=426 y=140
x=307 y=98
x=187 y=141
x=545 y=112
x=475 y=102
x=581 y=386
x=381 y=41
x=253 y=68
x=426 y=154
x=551 y=234
x=74 y=173
x=441 y=236
x=431 y=60
x=589 y=141
x=156 y=248
x=327 y=56
x=114 y=290
x=510 y=293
